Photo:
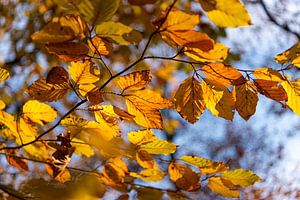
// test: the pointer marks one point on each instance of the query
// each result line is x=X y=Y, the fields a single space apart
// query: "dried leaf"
x=57 y=75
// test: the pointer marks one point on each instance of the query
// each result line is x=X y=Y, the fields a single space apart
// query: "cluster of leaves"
x=86 y=37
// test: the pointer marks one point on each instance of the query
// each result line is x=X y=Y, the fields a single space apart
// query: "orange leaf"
x=14 y=160
x=271 y=89
x=100 y=45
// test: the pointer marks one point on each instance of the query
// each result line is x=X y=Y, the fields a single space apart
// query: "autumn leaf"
x=240 y=177
x=189 y=101
x=184 y=177
x=226 y=13
x=68 y=51
x=135 y=80
x=140 y=137
x=13 y=159
x=144 y=159
x=4 y=74
x=61 y=29
x=82 y=148
x=218 y=99
x=158 y=147
x=145 y=105
x=245 y=99
x=2 y=105
x=39 y=113
x=271 y=89
x=119 y=33
x=217 y=54
x=110 y=113
x=216 y=185
x=223 y=74
x=40 y=90
x=292 y=89
x=57 y=75
x=149 y=175
x=100 y=45
x=291 y=55
x=115 y=170
x=268 y=74
x=75 y=121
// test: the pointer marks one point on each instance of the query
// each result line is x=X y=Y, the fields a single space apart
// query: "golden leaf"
x=84 y=73
x=2 y=105
x=61 y=29
x=217 y=54
x=223 y=74
x=226 y=13
x=144 y=159
x=245 y=99
x=68 y=51
x=291 y=55
x=115 y=169
x=144 y=106
x=140 y=137
x=158 y=147
x=218 y=99
x=135 y=80
x=293 y=92
x=189 y=100
x=4 y=74
x=271 y=89
x=75 y=121
x=82 y=148
x=268 y=74
x=57 y=75
x=240 y=177
x=40 y=90
x=217 y=186
x=119 y=33
x=37 y=112
x=149 y=175
x=183 y=177
x=100 y=45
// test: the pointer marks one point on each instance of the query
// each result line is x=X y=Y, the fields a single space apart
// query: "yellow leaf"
x=4 y=74
x=245 y=99
x=218 y=99
x=140 y=137
x=40 y=90
x=268 y=74
x=68 y=51
x=84 y=73
x=226 y=13
x=63 y=176
x=100 y=45
x=39 y=113
x=223 y=74
x=75 y=121
x=293 y=92
x=217 y=54
x=149 y=175
x=217 y=186
x=61 y=29
x=144 y=106
x=119 y=33
x=291 y=55
x=97 y=11
x=271 y=89
x=183 y=177
x=81 y=148
x=144 y=159
x=189 y=100
x=159 y=147
x=2 y=105
x=115 y=170
x=110 y=113
x=240 y=177
x=85 y=89
x=135 y=80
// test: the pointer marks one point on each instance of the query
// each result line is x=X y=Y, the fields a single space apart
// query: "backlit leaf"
x=240 y=177
x=268 y=74
x=83 y=73
x=140 y=137
x=2 y=105
x=115 y=169
x=223 y=74
x=57 y=75
x=217 y=186
x=81 y=148
x=189 y=100
x=4 y=74
x=100 y=45
x=75 y=121
x=149 y=175
x=40 y=90
x=292 y=89
x=184 y=177
x=245 y=99
x=291 y=55
x=159 y=147
x=13 y=159
x=135 y=80
x=144 y=159
x=271 y=89
x=218 y=99
x=226 y=13
x=38 y=112
x=119 y=33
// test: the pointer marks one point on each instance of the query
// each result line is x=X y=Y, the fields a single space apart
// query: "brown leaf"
x=57 y=75
x=12 y=158
x=100 y=45
x=95 y=97
x=271 y=89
